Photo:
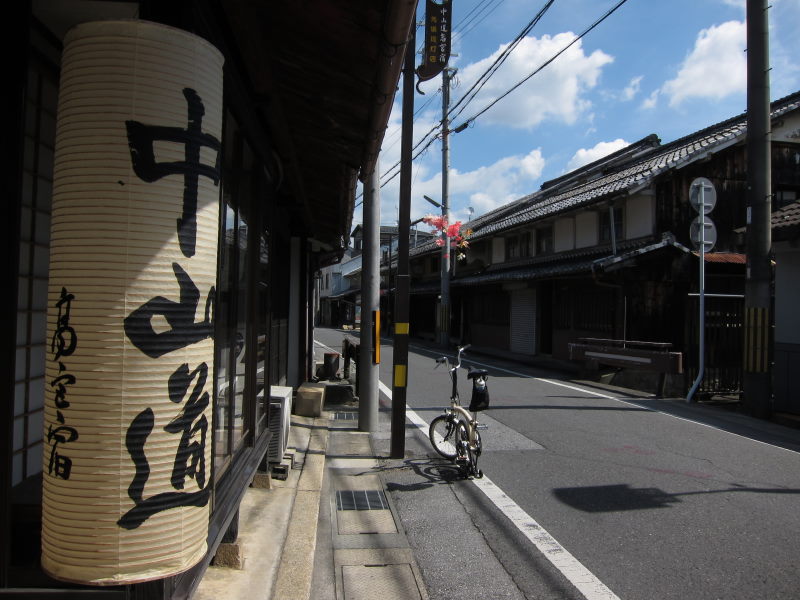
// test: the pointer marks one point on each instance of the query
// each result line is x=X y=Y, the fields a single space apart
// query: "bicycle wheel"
x=442 y=433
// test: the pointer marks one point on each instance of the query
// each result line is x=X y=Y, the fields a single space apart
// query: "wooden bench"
x=628 y=354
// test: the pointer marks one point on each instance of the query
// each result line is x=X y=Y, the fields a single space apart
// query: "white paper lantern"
x=127 y=456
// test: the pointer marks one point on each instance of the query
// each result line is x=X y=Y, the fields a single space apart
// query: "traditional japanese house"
x=606 y=252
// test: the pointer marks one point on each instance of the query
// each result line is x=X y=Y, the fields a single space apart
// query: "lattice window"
x=34 y=260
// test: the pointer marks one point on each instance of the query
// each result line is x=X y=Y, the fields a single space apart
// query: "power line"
x=466 y=17
x=396 y=136
x=469 y=23
x=470 y=26
x=486 y=75
x=389 y=175
x=550 y=60
x=481 y=80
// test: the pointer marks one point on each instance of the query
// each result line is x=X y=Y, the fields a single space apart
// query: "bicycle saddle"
x=473 y=373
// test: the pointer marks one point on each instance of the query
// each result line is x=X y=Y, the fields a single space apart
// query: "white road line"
x=569 y=566
x=618 y=399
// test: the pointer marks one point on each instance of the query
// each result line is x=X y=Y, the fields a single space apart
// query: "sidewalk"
x=329 y=531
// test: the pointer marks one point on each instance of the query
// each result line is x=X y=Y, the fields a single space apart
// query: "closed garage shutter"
x=523 y=321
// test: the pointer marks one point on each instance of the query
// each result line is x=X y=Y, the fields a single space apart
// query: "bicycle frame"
x=455 y=402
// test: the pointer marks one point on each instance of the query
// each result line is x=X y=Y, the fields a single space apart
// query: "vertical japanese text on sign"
x=436 y=51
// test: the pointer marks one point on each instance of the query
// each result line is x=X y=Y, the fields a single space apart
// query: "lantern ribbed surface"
x=128 y=426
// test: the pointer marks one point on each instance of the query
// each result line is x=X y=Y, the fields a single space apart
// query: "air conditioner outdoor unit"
x=279 y=415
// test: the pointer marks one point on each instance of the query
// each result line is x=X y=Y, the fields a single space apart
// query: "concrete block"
x=229 y=556
x=261 y=481
x=310 y=399
x=280 y=471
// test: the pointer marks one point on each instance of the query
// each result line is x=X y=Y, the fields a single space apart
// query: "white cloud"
x=740 y=4
x=499 y=183
x=483 y=189
x=584 y=156
x=632 y=88
x=557 y=92
x=652 y=100
x=715 y=68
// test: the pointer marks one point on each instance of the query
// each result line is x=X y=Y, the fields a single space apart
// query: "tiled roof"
x=786 y=222
x=549 y=265
x=624 y=175
x=625 y=254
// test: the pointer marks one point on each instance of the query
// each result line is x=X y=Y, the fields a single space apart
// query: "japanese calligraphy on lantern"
x=436 y=47
x=62 y=345
x=132 y=286
x=190 y=422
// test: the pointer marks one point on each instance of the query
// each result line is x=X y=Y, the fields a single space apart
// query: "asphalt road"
x=657 y=499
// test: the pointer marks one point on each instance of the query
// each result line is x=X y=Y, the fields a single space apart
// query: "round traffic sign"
x=709 y=235
x=702 y=190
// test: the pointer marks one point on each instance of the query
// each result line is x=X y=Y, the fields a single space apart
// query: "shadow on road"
x=622 y=497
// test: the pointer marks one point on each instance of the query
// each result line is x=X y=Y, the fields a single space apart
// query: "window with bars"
x=518 y=246
x=544 y=240
x=605 y=225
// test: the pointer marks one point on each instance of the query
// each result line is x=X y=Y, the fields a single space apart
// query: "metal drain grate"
x=345 y=416
x=361 y=500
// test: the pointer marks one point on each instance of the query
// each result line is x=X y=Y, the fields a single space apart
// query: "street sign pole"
x=700 y=186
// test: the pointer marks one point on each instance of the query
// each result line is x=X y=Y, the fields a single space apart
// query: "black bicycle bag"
x=480 y=391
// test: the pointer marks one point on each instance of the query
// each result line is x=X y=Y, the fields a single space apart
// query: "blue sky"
x=669 y=67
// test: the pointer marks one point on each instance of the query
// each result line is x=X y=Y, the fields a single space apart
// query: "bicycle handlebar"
x=442 y=360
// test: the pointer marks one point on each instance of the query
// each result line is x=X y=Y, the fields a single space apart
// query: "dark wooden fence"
x=724 y=344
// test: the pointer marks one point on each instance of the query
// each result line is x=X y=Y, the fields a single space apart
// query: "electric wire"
x=465 y=20
x=470 y=94
x=543 y=65
x=474 y=24
x=479 y=83
x=395 y=137
x=389 y=175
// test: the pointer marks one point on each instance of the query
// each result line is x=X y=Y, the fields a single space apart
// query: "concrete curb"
x=296 y=568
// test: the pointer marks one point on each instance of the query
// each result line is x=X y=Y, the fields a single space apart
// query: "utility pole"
x=758 y=283
x=401 y=288
x=368 y=354
x=444 y=301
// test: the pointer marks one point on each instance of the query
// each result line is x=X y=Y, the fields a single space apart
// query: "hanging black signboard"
x=436 y=49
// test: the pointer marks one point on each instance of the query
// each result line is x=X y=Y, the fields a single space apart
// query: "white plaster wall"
x=787 y=294
x=639 y=216
x=787 y=129
x=586 y=229
x=564 y=234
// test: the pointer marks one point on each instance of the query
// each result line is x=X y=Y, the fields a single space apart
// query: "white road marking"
x=572 y=569
x=569 y=566
x=617 y=399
